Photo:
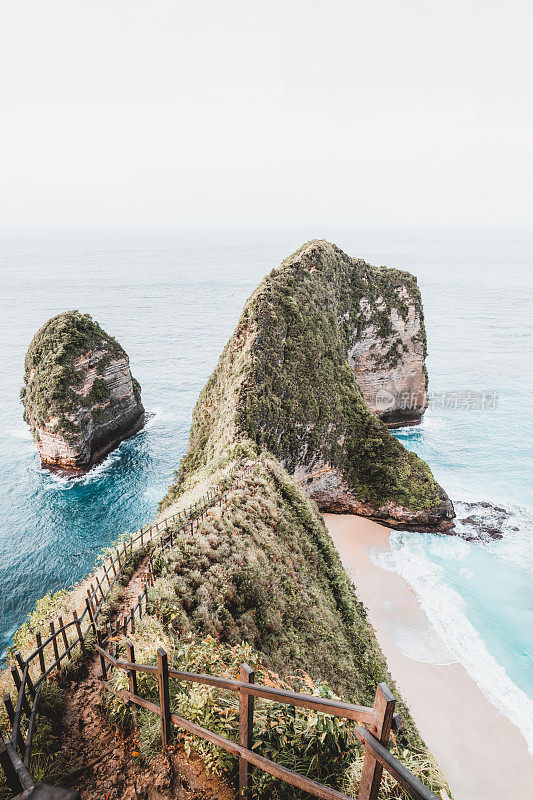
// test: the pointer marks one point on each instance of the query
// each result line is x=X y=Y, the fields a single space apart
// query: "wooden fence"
x=15 y=754
x=64 y=637
x=380 y=718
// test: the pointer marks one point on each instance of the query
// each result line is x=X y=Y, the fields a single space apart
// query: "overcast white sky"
x=128 y=113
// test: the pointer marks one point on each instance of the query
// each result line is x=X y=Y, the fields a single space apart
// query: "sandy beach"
x=482 y=754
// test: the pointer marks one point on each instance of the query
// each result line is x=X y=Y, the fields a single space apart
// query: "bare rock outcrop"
x=79 y=396
x=388 y=349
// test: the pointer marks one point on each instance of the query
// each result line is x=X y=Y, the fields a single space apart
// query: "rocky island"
x=79 y=397
x=317 y=341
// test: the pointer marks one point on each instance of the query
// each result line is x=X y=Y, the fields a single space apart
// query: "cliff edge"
x=79 y=397
x=289 y=382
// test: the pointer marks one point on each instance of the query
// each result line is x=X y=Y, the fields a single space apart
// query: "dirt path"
x=100 y=757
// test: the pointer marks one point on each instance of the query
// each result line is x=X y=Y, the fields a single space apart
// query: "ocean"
x=173 y=305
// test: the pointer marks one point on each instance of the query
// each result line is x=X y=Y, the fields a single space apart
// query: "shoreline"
x=482 y=754
x=99 y=456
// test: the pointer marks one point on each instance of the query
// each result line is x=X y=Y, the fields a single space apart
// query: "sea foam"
x=411 y=557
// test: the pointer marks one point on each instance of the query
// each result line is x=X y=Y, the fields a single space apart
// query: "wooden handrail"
x=338 y=708
x=375 y=751
x=166 y=521
x=265 y=764
x=31 y=725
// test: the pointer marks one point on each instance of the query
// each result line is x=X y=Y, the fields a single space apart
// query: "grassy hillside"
x=266 y=572
x=262 y=581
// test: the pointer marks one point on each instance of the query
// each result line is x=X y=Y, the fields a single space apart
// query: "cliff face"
x=79 y=396
x=387 y=346
x=288 y=382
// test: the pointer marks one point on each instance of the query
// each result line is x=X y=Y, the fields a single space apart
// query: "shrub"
x=422 y=765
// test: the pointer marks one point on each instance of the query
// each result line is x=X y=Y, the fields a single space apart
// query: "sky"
x=207 y=113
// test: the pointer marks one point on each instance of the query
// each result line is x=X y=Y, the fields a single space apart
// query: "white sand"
x=482 y=754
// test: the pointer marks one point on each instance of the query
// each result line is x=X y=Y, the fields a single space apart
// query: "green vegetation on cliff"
x=284 y=382
x=50 y=378
x=266 y=572
x=261 y=581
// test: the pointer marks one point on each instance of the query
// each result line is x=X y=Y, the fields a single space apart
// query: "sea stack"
x=79 y=396
x=317 y=340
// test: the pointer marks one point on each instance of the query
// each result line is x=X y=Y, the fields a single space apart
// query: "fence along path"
x=381 y=717
x=64 y=637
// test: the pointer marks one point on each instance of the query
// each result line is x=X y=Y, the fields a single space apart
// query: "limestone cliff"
x=387 y=344
x=288 y=382
x=79 y=396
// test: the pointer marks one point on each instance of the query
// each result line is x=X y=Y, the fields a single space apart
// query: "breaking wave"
x=449 y=575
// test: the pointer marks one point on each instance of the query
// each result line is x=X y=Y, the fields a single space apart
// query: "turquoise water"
x=173 y=308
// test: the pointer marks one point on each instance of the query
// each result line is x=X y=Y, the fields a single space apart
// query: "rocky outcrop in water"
x=79 y=396
x=288 y=382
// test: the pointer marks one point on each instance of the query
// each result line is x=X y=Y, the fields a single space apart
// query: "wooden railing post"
x=39 y=642
x=99 y=640
x=109 y=638
x=20 y=686
x=164 y=695
x=132 y=675
x=78 y=631
x=54 y=643
x=91 y=616
x=22 y=666
x=246 y=724
x=9 y=770
x=384 y=703
x=11 y=716
x=64 y=635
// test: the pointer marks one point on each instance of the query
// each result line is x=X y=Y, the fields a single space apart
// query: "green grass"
x=51 y=382
x=266 y=572
x=284 y=383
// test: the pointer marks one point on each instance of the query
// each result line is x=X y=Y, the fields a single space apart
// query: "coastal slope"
x=80 y=399
x=288 y=382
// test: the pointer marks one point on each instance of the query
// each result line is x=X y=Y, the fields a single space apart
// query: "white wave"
x=444 y=609
x=415 y=638
x=432 y=422
x=61 y=482
x=158 y=417
x=514 y=522
x=98 y=470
